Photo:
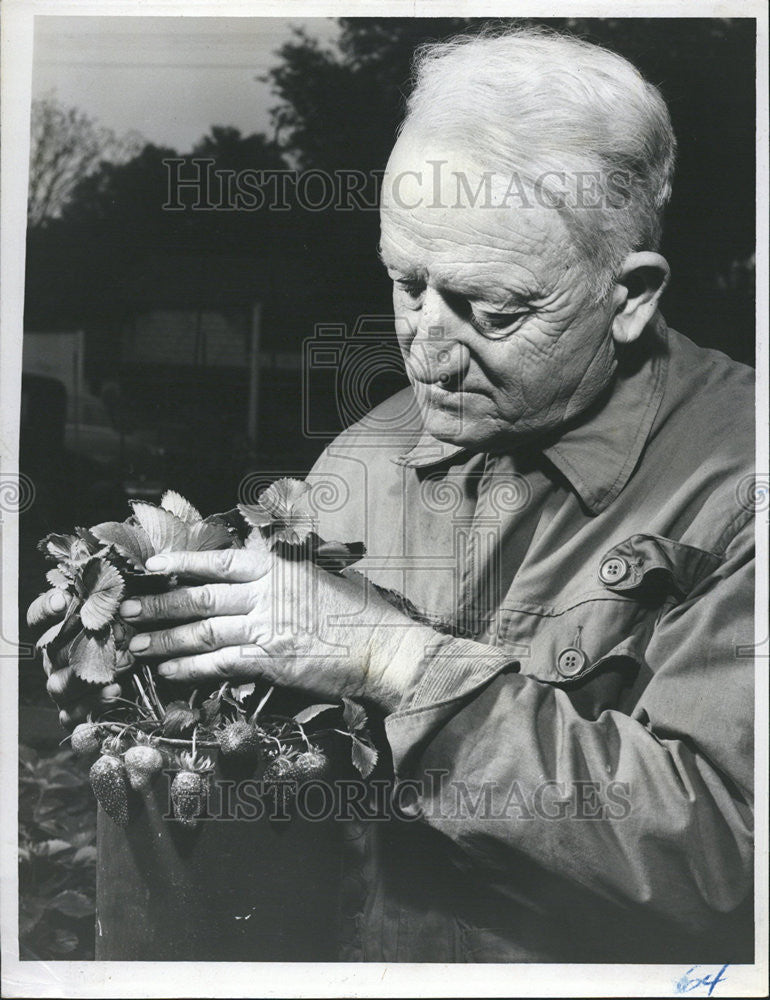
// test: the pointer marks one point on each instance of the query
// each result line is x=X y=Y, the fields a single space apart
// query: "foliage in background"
x=66 y=146
x=57 y=857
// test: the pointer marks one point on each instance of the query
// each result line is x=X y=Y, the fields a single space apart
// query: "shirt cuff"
x=451 y=669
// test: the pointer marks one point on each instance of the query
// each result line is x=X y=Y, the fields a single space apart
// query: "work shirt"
x=574 y=761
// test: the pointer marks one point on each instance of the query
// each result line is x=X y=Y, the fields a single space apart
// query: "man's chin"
x=456 y=428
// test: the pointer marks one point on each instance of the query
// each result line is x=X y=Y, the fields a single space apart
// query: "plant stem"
x=144 y=697
x=153 y=691
x=262 y=703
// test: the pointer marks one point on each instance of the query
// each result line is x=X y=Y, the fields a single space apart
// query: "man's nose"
x=436 y=355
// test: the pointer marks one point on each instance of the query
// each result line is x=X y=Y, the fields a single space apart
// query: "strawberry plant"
x=144 y=731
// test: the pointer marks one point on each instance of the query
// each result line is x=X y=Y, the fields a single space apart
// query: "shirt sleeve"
x=660 y=799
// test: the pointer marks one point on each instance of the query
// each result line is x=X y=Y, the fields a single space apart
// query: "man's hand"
x=74 y=697
x=260 y=615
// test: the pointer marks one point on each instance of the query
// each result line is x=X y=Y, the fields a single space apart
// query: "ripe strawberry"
x=142 y=762
x=85 y=739
x=239 y=742
x=110 y=784
x=189 y=789
x=312 y=765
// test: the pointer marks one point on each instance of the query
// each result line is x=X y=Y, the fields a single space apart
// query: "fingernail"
x=167 y=669
x=58 y=601
x=138 y=643
x=156 y=564
x=130 y=609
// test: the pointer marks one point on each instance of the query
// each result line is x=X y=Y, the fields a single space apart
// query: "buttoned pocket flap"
x=650 y=567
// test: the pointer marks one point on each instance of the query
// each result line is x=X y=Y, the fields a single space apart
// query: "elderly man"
x=566 y=708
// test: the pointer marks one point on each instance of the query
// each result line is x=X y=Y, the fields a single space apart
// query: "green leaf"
x=205 y=536
x=104 y=587
x=179 y=718
x=176 y=504
x=280 y=498
x=255 y=515
x=364 y=757
x=311 y=712
x=94 y=657
x=72 y=903
x=57 y=578
x=129 y=540
x=354 y=715
x=57 y=547
x=242 y=691
x=166 y=531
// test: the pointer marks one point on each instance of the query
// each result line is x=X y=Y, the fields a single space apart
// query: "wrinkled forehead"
x=437 y=202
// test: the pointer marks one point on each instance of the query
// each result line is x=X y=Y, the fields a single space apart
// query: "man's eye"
x=495 y=326
x=412 y=287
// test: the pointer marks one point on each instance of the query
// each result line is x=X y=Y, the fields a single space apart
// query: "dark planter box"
x=230 y=889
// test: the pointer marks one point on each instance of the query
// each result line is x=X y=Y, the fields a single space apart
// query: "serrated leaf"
x=364 y=757
x=129 y=540
x=176 y=504
x=73 y=904
x=89 y=539
x=93 y=657
x=205 y=536
x=242 y=691
x=57 y=546
x=255 y=515
x=166 y=531
x=179 y=718
x=311 y=712
x=104 y=586
x=280 y=498
x=354 y=715
x=58 y=579
x=211 y=709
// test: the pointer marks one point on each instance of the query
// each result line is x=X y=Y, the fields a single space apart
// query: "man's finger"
x=197 y=637
x=188 y=603
x=227 y=565
x=234 y=663
x=50 y=605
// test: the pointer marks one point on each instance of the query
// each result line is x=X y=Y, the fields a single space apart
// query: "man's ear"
x=638 y=289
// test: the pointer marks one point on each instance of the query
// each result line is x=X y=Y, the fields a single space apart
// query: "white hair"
x=534 y=101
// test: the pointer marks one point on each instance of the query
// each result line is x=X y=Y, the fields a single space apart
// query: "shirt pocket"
x=593 y=645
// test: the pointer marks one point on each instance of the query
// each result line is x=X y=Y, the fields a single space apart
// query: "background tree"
x=66 y=145
x=340 y=107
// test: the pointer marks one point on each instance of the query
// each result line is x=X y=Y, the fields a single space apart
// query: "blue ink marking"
x=689 y=982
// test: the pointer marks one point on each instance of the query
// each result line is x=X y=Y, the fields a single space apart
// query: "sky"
x=167 y=78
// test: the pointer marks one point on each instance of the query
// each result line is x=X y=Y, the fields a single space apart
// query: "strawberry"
x=143 y=761
x=239 y=743
x=312 y=765
x=280 y=777
x=189 y=789
x=110 y=783
x=85 y=739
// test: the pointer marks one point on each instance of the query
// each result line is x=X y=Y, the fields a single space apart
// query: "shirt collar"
x=597 y=453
